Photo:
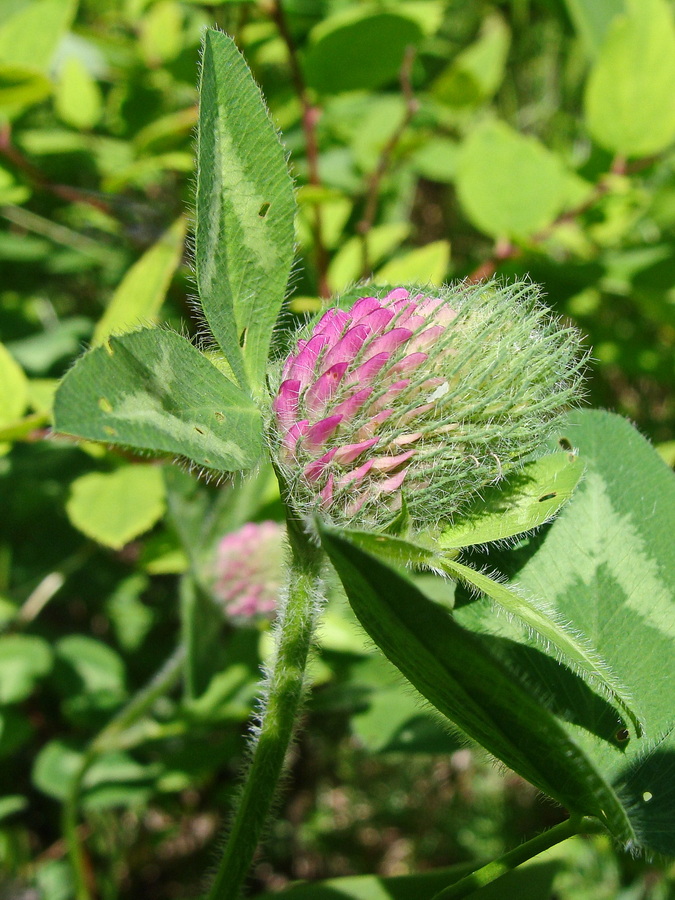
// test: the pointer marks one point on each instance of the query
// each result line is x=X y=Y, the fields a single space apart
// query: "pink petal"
x=294 y=432
x=353 y=404
x=285 y=404
x=377 y=320
x=387 y=463
x=418 y=411
x=326 y=492
x=356 y=474
x=316 y=436
x=365 y=373
x=409 y=438
x=397 y=294
x=391 y=392
x=369 y=429
x=363 y=307
x=356 y=505
x=388 y=342
x=348 y=452
x=427 y=338
x=318 y=394
x=313 y=470
x=389 y=485
x=304 y=363
x=332 y=324
x=408 y=363
x=347 y=347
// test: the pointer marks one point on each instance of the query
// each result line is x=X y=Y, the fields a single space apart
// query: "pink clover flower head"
x=422 y=394
x=248 y=572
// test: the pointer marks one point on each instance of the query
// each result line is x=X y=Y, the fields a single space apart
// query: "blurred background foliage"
x=430 y=140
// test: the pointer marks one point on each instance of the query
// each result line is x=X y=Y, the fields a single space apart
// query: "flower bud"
x=248 y=572
x=422 y=396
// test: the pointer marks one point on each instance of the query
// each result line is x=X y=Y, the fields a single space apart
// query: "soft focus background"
x=430 y=140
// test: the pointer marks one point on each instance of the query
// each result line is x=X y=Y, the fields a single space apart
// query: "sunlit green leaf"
x=153 y=390
x=510 y=185
x=142 y=291
x=463 y=676
x=358 y=49
x=115 y=507
x=245 y=210
x=629 y=96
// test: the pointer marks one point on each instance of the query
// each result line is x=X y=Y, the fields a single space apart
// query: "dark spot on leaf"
x=199 y=430
x=565 y=443
x=548 y=496
x=622 y=734
x=219 y=416
x=242 y=338
x=108 y=347
x=264 y=209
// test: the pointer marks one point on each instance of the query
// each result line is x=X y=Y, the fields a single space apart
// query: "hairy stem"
x=506 y=863
x=284 y=693
x=106 y=740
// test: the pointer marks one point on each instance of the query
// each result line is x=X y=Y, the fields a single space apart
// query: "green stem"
x=104 y=741
x=284 y=693
x=506 y=863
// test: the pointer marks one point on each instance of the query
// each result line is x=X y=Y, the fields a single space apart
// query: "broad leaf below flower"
x=152 y=390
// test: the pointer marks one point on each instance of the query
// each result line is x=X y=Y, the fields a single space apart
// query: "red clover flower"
x=426 y=395
x=248 y=572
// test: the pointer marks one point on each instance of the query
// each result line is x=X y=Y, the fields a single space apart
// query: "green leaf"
x=141 y=292
x=358 y=50
x=153 y=390
x=78 y=97
x=115 y=507
x=541 y=620
x=607 y=565
x=24 y=660
x=10 y=804
x=30 y=36
x=89 y=666
x=510 y=185
x=22 y=86
x=592 y=19
x=347 y=264
x=528 y=499
x=13 y=388
x=244 y=240
x=426 y=265
x=394 y=721
x=574 y=650
x=629 y=95
x=532 y=881
x=477 y=71
x=463 y=676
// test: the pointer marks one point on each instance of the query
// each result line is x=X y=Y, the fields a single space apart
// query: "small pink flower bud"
x=248 y=572
x=427 y=397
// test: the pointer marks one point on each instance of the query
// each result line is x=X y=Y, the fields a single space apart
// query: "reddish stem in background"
x=65 y=192
x=310 y=118
x=505 y=250
x=375 y=180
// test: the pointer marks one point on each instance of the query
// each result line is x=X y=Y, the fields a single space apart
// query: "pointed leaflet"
x=529 y=498
x=245 y=209
x=607 y=564
x=153 y=390
x=544 y=623
x=462 y=675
